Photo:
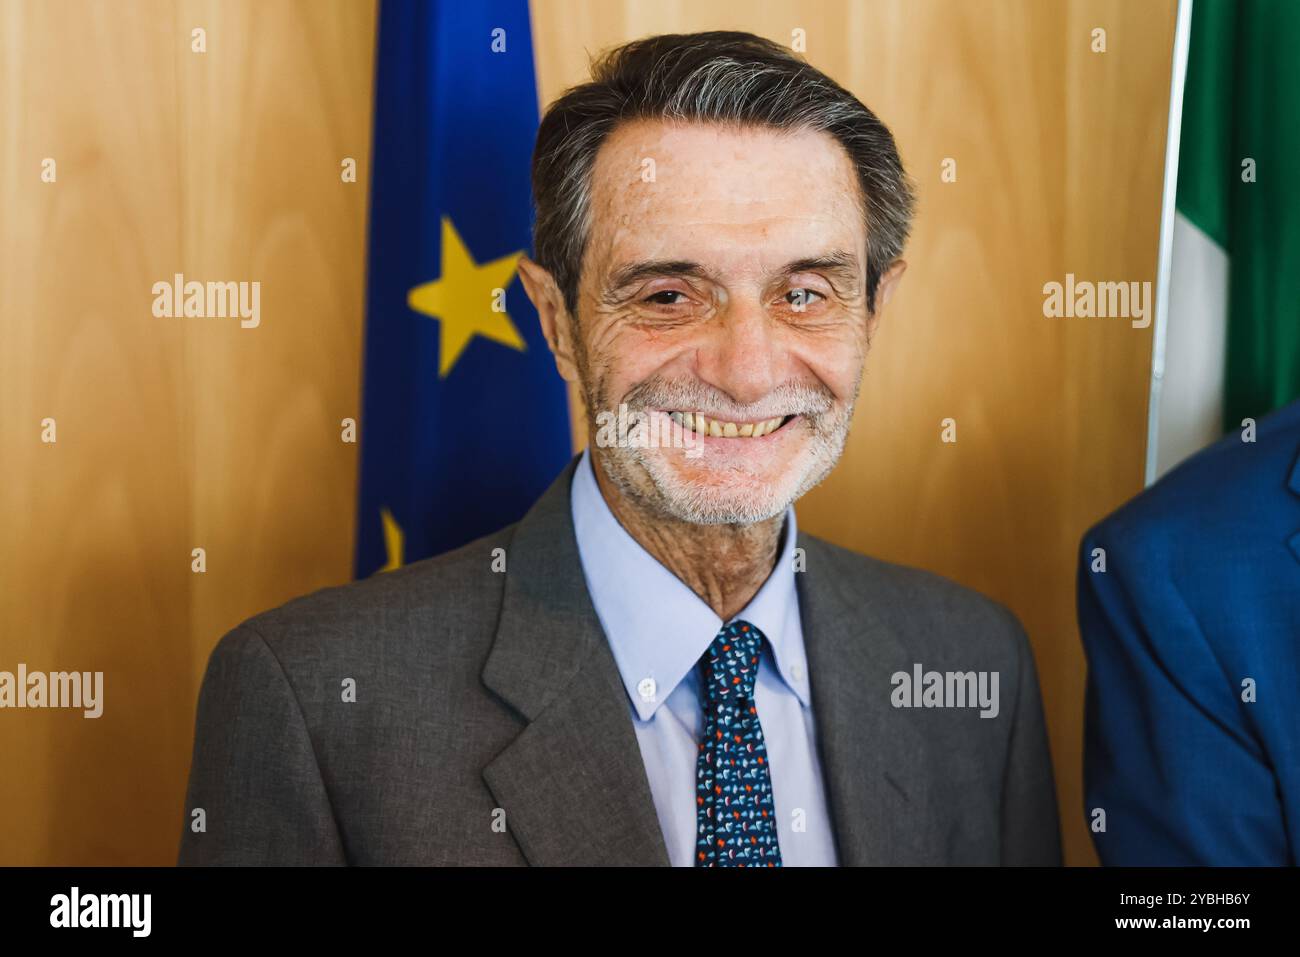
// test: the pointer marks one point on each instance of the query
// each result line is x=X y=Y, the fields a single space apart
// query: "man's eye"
x=664 y=298
x=799 y=298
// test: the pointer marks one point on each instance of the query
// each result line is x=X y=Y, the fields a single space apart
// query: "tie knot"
x=731 y=663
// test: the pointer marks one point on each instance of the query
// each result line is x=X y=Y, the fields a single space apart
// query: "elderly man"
x=654 y=666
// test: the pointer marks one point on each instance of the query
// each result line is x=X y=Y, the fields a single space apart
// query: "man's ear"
x=557 y=326
x=888 y=283
x=885 y=291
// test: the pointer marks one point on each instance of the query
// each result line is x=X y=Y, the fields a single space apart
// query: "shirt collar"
x=656 y=626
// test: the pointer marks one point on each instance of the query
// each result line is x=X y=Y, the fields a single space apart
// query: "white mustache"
x=793 y=401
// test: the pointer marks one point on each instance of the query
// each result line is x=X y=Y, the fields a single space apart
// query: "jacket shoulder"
x=457 y=592
x=1229 y=485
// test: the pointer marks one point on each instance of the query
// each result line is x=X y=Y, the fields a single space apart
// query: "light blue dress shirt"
x=658 y=629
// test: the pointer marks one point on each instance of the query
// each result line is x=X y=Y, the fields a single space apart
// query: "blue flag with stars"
x=464 y=419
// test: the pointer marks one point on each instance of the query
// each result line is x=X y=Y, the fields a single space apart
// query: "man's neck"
x=725 y=565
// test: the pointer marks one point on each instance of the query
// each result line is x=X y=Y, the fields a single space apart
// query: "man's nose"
x=741 y=353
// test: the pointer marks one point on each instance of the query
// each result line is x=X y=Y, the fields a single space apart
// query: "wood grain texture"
x=1060 y=155
x=172 y=433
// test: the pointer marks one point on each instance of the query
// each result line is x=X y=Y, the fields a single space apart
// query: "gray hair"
x=723 y=77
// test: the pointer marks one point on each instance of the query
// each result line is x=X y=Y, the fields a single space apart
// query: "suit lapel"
x=872 y=760
x=572 y=784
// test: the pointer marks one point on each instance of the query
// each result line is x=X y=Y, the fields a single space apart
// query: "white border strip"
x=1182 y=41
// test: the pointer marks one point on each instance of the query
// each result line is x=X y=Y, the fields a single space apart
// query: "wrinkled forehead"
x=735 y=199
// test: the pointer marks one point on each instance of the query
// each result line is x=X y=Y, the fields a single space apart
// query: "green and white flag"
x=1232 y=346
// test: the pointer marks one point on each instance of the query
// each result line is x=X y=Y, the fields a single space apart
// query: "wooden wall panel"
x=1060 y=155
x=172 y=433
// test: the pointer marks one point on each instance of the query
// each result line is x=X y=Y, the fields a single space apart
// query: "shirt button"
x=646 y=689
x=796 y=672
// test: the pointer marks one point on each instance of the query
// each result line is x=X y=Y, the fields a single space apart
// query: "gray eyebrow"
x=633 y=272
x=839 y=262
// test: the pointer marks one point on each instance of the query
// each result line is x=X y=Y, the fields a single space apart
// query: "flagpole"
x=1164 y=264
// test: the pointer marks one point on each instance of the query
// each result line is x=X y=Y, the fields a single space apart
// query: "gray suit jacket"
x=490 y=726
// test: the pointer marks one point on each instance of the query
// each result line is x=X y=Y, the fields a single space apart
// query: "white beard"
x=645 y=476
x=729 y=498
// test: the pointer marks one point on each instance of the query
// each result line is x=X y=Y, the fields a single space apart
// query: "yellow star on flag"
x=461 y=299
x=394 y=541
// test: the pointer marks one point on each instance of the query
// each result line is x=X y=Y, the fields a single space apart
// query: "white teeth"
x=703 y=425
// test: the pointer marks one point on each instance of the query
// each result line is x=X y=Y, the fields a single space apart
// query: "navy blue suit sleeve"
x=1168 y=753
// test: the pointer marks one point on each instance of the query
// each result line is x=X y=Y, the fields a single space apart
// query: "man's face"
x=731 y=285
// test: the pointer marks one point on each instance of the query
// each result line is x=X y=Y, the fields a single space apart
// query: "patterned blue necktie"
x=735 y=815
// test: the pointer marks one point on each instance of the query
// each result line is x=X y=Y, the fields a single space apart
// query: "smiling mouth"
x=720 y=428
